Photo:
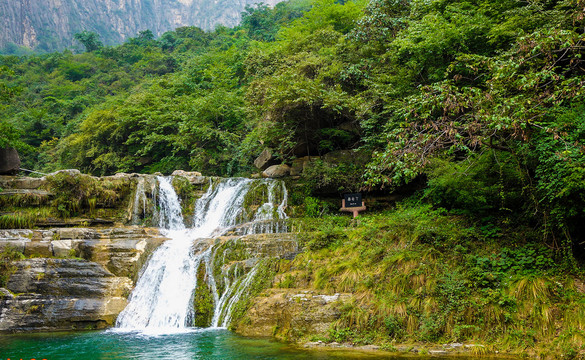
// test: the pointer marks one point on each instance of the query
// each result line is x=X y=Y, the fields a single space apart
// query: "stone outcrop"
x=21 y=183
x=120 y=198
x=9 y=161
x=299 y=165
x=283 y=245
x=79 y=278
x=61 y=294
x=194 y=177
x=120 y=250
x=286 y=311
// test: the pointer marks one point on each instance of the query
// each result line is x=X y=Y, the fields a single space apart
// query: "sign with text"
x=353 y=200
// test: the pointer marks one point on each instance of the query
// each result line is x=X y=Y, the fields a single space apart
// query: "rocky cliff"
x=70 y=278
x=49 y=25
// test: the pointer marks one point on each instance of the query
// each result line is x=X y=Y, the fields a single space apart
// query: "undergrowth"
x=77 y=194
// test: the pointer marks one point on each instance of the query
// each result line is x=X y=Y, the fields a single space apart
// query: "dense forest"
x=481 y=101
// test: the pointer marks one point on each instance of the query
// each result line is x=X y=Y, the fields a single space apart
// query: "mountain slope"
x=49 y=25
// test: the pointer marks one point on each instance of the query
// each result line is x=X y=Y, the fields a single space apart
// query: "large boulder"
x=277 y=171
x=68 y=172
x=286 y=312
x=265 y=160
x=9 y=161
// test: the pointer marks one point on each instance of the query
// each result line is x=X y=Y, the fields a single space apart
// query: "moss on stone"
x=187 y=192
x=261 y=281
x=203 y=303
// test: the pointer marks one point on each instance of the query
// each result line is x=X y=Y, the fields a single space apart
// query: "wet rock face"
x=61 y=294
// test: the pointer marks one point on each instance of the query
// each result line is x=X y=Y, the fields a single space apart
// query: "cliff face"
x=49 y=25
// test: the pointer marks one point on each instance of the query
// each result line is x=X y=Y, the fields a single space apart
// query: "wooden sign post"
x=352 y=203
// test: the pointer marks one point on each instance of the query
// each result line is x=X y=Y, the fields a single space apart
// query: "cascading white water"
x=162 y=300
x=266 y=219
x=162 y=297
x=233 y=294
x=139 y=205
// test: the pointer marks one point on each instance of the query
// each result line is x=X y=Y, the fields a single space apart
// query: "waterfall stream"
x=162 y=300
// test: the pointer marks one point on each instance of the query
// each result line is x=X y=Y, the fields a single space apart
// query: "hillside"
x=49 y=25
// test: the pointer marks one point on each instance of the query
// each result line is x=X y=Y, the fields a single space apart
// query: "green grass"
x=420 y=275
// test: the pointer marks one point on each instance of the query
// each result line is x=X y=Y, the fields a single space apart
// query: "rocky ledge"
x=77 y=278
x=288 y=313
x=61 y=294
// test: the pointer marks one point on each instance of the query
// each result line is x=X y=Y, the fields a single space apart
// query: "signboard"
x=353 y=200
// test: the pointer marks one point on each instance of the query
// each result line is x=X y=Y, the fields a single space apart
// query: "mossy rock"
x=203 y=303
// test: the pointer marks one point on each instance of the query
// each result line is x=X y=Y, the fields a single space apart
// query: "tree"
x=90 y=40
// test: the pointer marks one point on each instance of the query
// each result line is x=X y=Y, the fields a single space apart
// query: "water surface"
x=208 y=344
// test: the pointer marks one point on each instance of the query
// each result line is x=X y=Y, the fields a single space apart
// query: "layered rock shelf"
x=75 y=278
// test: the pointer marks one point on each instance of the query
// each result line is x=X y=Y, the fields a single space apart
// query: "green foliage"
x=419 y=275
x=326 y=238
x=528 y=260
x=79 y=193
x=17 y=220
x=203 y=300
x=330 y=177
x=7 y=257
x=312 y=206
x=482 y=99
x=484 y=184
x=9 y=135
x=89 y=39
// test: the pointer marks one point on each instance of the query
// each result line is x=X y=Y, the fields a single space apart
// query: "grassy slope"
x=423 y=276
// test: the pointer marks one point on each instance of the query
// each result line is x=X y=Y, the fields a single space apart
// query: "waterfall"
x=162 y=294
x=268 y=218
x=162 y=300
